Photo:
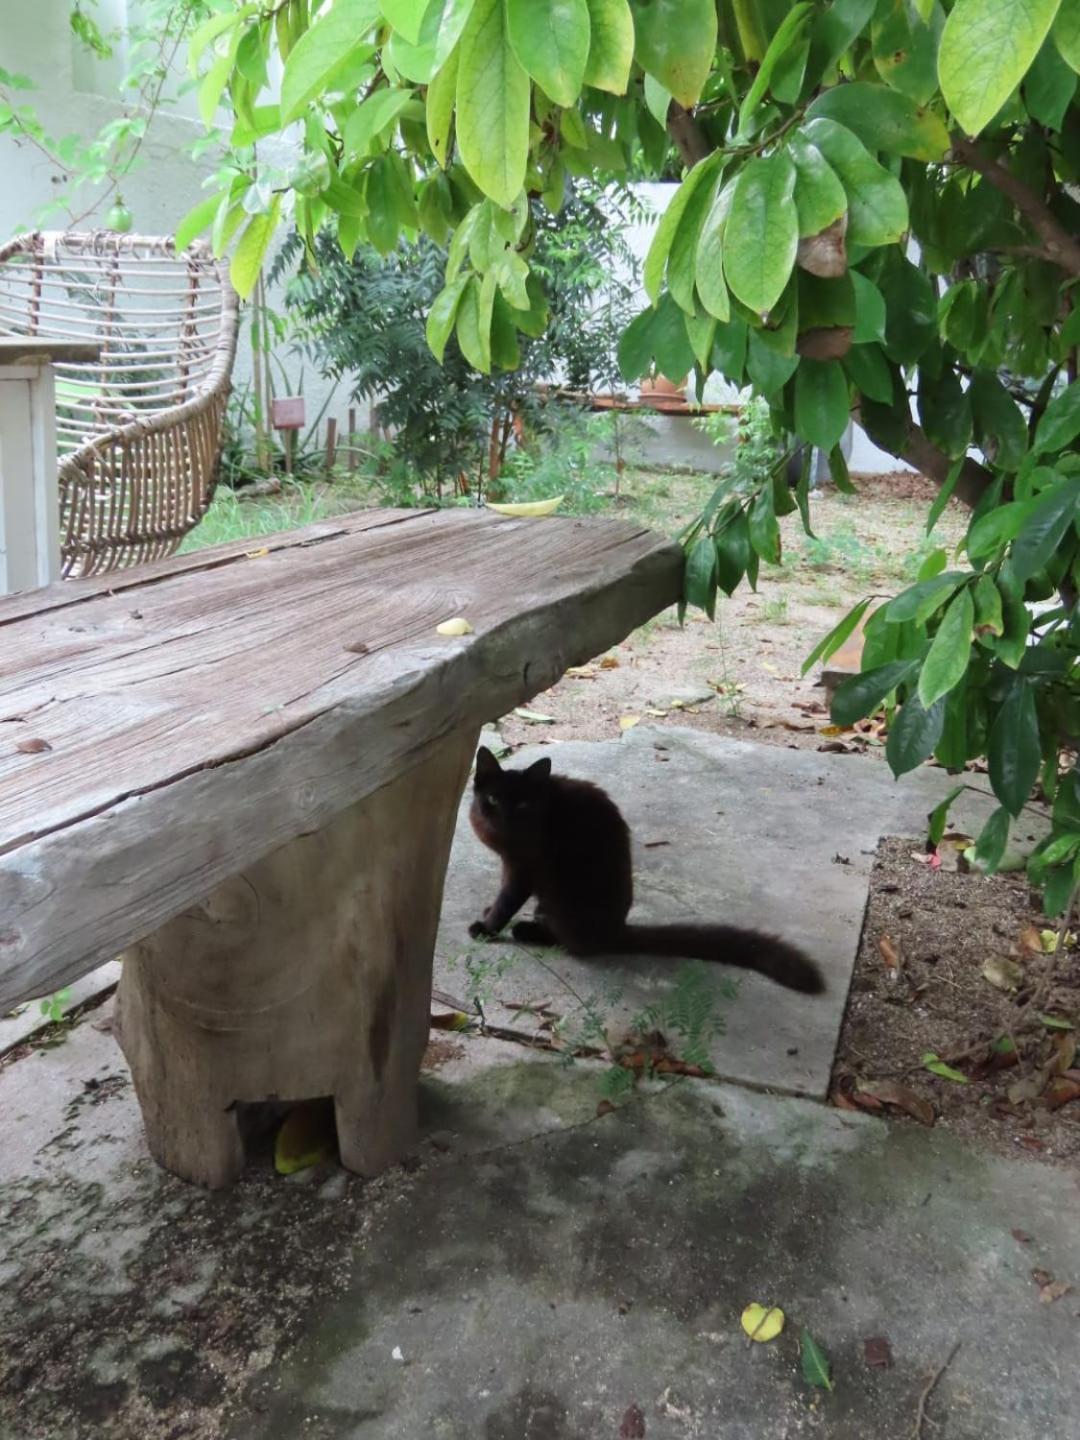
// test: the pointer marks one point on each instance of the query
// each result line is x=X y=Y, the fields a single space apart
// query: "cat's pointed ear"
x=540 y=770
x=486 y=765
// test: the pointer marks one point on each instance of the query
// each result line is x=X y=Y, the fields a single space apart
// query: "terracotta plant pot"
x=661 y=390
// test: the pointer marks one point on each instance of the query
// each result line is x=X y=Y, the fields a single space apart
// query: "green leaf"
x=869 y=310
x=1050 y=516
x=939 y=816
x=443 y=22
x=993 y=837
x=657 y=258
x=611 y=48
x=551 y=42
x=370 y=118
x=699 y=583
x=1011 y=647
x=1056 y=1022
x=860 y=695
x=197 y=219
x=700 y=329
x=884 y=120
x=937 y=1066
x=944 y=495
x=251 y=250
x=443 y=315
x=1014 y=748
x=205 y=35
x=657 y=101
x=733 y=551
x=877 y=206
x=820 y=198
x=322 y=51
x=787 y=36
x=815 y=1363
x=834 y=31
x=1060 y=423
x=1049 y=87
x=905 y=48
x=212 y=87
x=762 y=232
x=988 y=612
x=764 y=528
x=945 y=411
x=950 y=652
x=868 y=368
x=635 y=350
x=986 y=49
x=474 y=340
x=682 y=261
x=997 y=527
x=675 y=41
x=492 y=105
x=709 y=260
x=913 y=734
x=439 y=110
x=766 y=367
x=1000 y=428
x=822 y=407
x=910 y=308
x=405 y=16
x=918 y=602
x=671 y=343
x=1067 y=34
x=836 y=636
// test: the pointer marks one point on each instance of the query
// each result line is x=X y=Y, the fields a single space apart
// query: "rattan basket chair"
x=139 y=429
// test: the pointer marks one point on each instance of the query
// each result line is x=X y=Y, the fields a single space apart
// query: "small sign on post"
x=287 y=415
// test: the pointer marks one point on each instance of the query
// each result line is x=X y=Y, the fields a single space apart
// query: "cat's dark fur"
x=566 y=842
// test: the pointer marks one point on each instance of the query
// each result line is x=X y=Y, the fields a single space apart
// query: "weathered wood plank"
x=233 y=715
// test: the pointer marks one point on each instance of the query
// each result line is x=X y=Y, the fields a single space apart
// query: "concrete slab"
x=536 y=1273
x=748 y=834
x=25 y=1020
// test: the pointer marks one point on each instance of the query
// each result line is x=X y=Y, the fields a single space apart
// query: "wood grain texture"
x=217 y=706
x=309 y=975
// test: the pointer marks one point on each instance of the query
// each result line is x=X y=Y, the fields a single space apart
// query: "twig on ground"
x=928 y=1390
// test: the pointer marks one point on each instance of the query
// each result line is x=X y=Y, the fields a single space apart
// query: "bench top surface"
x=162 y=728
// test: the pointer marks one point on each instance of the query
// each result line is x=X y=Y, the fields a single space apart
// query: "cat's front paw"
x=478 y=930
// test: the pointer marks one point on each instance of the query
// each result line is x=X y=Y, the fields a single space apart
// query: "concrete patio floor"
x=537 y=1270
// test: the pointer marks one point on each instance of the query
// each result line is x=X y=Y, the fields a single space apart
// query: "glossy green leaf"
x=884 y=119
x=1014 y=754
x=822 y=406
x=405 y=16
x=197 y=219
x=733 y=551
x=492 y=105
x=551 y=42
x=762 y=232
x=656 y=259
x=323 y=51
x=440 y=31
x=699 y=584
x=938 y=818
x=913 y=734
x=709 y=260
x=1000 y=427
x=950 y=651
x=1060 y=424
x=788 y=34
x=937 y=1066
x=877 y=206
x=671 y=343
x=837 y=635
x=945 y=412
x=910 y=310
x=370 y=118
x=1049 y=87
x=834 y=30
x=657 y=101
x=247 y=261
x=989 y=619
x=1050 y=516
x=905 y=48
x=986 y=49
x=993 y=838
x=1066 y=33
x=820 y=199
x=439 y=110
x=815 y=1363
x=919 y=602
x=442 y=316
x=635 y=351
x=869 y=370
x=474 y=322
x=869 y=310
x=675 y=41
x=764 y=529
x=860 y=695
x=611 y=46
x=682 y=260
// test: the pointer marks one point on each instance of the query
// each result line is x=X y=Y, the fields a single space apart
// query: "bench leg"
x=307 y=976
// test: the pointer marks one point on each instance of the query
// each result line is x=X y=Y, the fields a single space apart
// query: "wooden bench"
x=241 y=769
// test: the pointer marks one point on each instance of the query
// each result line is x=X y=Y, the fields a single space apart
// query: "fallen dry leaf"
x=581 y=672
x=32 y=747
x=609 y=662
x=1064 y=1052
x=1030 y=940
x=1060 y=1091
x=257 y=554
x=1021 y=1237
x=1002 y=972
x=890 y=955
x=604 y=1107
x=891 y=1092
x=633 y=1424
x=1049 y=1293
x=877 y=1352
x=1028 y=1087
x=834 y=729
x=457 y=625
x=762 y=1322
x=627 y=722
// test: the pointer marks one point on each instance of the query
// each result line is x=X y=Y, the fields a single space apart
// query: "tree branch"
x=688 y=137
x=921 y=452
x=1058 y=245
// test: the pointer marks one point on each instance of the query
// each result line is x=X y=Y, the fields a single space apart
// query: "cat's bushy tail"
x=748 y=949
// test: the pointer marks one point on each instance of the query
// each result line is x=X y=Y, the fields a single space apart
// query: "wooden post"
x=352 y=439
x=331 y=442
x=307 y=976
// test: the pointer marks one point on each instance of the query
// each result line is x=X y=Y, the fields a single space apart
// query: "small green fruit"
x=119 y=218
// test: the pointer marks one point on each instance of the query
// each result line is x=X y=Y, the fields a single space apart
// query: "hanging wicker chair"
x=139 y=429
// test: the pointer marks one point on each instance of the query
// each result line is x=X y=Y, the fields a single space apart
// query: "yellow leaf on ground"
x=307 y=1136
x=457 y=626
x=257 y=554
x=609 y=662
x=528 y=509
x=627 y=722
x=762 y=1322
